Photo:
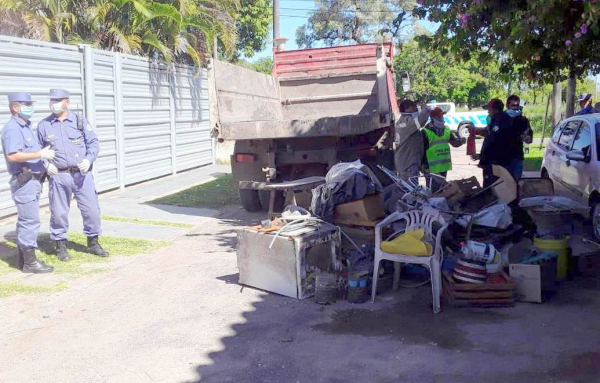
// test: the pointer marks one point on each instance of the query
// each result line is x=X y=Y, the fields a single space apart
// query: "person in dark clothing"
x=522 y=134
x=500 y=144
x=585 y=104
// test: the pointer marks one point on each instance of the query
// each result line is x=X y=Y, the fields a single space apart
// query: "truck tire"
x=265 y=196
x=249 y=199
x=463 y=131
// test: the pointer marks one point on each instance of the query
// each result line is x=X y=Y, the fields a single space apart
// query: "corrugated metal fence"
x=152 y=120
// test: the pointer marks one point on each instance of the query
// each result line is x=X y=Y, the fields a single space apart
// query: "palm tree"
x=174 y=30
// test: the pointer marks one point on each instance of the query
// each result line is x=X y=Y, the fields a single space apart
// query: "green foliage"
x=263 y=65
x=535 y=39
x=178 y=30
x=446 y=79
x=339 y=22
x=253 y=25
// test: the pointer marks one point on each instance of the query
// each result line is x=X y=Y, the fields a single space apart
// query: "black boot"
x=32 y=265
x=95 y=248
x=20 y=259
x=61 y=251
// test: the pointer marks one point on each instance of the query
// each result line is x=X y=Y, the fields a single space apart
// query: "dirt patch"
x=580 y=368
x=413 y=323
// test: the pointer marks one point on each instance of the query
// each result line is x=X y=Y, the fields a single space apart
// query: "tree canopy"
x=340 y=22
x=541 y=39
x=176 y=30
x=254 y=20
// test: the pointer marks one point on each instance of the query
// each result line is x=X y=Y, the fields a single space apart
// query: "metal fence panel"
x=151 y=119
x=192 y=127
x=147 y=121
x=105 y=120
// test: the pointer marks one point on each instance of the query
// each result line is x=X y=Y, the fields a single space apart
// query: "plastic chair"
x=414 y=220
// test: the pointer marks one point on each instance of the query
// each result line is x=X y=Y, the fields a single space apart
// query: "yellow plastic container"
x=561 y=247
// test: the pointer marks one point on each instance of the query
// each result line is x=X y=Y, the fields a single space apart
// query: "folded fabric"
x=409 y=243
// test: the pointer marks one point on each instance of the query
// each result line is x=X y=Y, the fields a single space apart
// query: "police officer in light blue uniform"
x=24 y=161
x=76 y=146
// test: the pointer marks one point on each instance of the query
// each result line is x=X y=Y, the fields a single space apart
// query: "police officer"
x=24 y=160
x=77 y=147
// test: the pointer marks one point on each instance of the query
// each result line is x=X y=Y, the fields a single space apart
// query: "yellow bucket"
x=561 y=247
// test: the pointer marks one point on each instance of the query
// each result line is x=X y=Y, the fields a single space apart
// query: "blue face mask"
x=26 y=112
x=512 y=113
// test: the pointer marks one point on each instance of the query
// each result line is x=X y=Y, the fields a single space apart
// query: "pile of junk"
x=364 y=231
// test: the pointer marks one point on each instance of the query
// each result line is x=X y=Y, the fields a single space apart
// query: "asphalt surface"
x=180 y=315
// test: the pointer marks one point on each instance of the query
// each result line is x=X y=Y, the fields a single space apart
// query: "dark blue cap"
x=59 y=94
x=19 y=97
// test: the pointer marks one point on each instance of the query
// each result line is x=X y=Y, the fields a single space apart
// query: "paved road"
x=178 y=315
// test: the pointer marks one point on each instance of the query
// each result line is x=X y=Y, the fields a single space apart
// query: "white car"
x=571 y=161
x=460 y=121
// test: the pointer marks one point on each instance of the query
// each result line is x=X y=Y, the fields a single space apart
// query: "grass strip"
x=147 y=222
x=214 y=194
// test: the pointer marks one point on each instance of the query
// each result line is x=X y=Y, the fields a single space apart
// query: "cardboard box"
x=365 y=212
x=533 y=282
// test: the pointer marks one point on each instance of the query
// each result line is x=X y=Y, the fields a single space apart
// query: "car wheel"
x=545 y=174
x=596 y=219
x=463 y=131
x=249 y=199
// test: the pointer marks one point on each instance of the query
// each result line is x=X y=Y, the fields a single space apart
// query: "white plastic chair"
x=414 y=220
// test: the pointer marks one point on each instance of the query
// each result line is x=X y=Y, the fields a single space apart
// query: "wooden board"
x=484 y=295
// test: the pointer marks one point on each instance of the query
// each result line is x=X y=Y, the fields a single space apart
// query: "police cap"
x=19 y=97
x=59 y=94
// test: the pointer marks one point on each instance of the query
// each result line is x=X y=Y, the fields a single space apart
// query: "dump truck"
x=318 y=108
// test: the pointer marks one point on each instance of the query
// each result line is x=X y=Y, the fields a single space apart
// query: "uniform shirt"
x=522 y=127
x=17 y=136
x=587 y=110
x=500 y=146
x=70 y=144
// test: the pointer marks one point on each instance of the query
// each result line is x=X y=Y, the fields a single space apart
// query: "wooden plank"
x=492 y=303
x=483 y=294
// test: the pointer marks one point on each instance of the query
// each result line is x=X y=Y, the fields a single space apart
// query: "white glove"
x=46 y=153
x=51 y=169
x=84 y=166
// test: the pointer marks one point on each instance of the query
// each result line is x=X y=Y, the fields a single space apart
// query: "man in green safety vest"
x=437 y=138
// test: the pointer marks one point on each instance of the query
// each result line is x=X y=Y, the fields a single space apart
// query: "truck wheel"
x=249 y=199
x=463 y=131
x=265 y=196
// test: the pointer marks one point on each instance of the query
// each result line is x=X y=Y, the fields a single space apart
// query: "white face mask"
x=57 y=107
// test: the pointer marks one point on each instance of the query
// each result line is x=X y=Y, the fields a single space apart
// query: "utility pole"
x=275 y=23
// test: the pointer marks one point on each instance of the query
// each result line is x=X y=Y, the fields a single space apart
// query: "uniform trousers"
x=63 y=186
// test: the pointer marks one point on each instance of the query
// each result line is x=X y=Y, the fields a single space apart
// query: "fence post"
x=89 y=93
x=172 y=117
x=120 y=126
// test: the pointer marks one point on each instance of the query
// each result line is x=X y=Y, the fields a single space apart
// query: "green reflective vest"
x=438 y=153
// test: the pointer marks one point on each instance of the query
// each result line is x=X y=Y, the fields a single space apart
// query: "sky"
x=293 y=14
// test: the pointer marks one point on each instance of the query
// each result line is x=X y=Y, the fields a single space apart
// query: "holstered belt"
x=72 y=169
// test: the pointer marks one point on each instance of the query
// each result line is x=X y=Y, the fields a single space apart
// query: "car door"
x=562 y=140
x=576 y=175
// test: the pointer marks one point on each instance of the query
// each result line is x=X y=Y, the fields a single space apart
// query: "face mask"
x=413 y=115
x=26 y=112
x=513 y=112
x=57 y=107
x=439 y=123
